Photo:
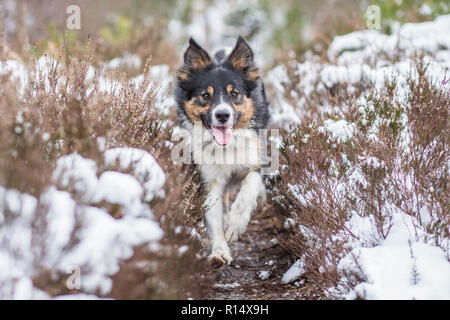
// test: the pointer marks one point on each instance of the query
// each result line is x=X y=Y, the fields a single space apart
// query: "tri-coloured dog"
x=224 y=101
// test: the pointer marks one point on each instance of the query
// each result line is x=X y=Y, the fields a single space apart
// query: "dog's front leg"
x=214 y=220
x=238 y=218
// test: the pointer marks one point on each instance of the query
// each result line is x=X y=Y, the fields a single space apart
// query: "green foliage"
x=68 y=37
x=244 y=19
x=57 y=39
x=119 y=31
x=290 y=33
x=409 y=11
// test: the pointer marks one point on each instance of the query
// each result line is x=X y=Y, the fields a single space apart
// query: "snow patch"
x=65 y=230
x=294 y=272
x=400 y=267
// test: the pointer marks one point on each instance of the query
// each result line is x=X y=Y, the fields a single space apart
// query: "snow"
x=294 y=272
x=17 y=72
x=142 y=165
x=289 y=223
x=364 y=227
x=16 y=217
x=340 y=129
x=66 y=230
x=400 y=267
x=282 y=110
x=81 y=175
x=425 y=10
x=68 y=225
x=163 y=79
x=264 y=275
x=408 y=263
x=119 y=188
x=359 y=58
x=227 y=285
x=360 y=46
x=127 y=61
x=60 y=220
x=107 y=241
x=47 y=69
x=78 y=173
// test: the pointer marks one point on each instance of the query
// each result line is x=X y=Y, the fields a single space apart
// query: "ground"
x=258 y=249
x=91 y=204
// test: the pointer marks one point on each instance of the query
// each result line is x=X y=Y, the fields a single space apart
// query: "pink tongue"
x=222 y=135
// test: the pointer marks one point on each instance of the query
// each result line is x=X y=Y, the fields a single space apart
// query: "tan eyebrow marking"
x=230 y=88
x=210 y=90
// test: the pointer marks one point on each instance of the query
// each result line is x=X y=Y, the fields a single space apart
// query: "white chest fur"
x=242 y=154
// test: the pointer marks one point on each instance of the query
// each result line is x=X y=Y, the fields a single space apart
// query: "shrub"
x=65 y=107
x=378 y=157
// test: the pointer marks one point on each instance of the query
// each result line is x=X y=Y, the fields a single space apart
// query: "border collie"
x=222 y=103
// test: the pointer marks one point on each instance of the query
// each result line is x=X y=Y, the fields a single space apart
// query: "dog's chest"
x=241 y=157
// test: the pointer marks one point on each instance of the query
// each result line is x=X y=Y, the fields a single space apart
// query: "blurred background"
x=275 y=29
x=363 y=117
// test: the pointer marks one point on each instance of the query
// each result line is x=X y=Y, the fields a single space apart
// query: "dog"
x=224 y=98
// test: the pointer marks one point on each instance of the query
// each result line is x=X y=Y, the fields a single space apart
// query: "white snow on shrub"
x=78 y=173
x=106 y=241
x=127 y=61
x=227 y=285
x=120 y=188
x=264 y=275
x=142 y=165
x=283 y=111
x=408 y=263
x=17 y=73
x=163 y=79
x=60 y=219
x=48 y=69
x=294 y=272
x=16 y=258
x=355 y=60
x=57 y=232
x=340 y=129
x=360 y=46
x=400 y=266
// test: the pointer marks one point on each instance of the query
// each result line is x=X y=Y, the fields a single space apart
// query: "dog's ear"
x=195 y=59
x=241 y=59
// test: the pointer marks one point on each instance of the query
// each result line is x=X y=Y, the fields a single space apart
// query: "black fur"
x=199 y=71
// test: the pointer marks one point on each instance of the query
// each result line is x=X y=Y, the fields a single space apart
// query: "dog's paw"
x=235 y=225
x=219 y=257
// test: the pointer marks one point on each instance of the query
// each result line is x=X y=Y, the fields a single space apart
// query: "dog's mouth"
x=222 y=134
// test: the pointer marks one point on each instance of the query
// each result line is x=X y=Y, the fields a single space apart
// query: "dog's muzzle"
x=223 y=118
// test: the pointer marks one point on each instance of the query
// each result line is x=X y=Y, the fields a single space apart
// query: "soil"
x=257 y=250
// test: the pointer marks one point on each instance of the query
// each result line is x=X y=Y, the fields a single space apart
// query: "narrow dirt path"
x=258 y=266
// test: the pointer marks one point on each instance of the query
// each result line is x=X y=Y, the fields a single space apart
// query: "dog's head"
x=218 y=92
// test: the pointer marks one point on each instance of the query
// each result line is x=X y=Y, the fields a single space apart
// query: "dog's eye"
x=234 y=94
x=205 y=96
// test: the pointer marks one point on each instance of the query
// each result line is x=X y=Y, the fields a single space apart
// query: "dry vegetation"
x=325 y=181
x=63 y=111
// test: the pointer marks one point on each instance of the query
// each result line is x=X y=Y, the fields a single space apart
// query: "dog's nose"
x=223 y=116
